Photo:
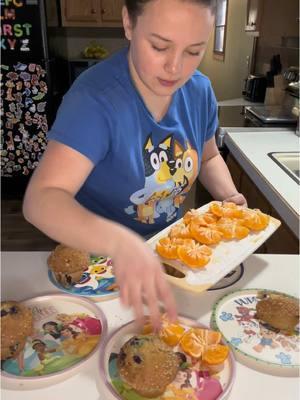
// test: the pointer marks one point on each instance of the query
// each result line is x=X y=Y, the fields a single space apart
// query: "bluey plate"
x=226 y=256
x=67 y=334
x=188 y=382
x=97 y=283
x=254 y=344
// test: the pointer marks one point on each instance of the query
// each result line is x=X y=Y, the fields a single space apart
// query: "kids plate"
x=225 y=257
x=67 y=334
x=97 y=282
x=254 y=344
x=189 y=382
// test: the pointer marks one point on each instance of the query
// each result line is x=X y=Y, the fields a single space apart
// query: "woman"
x=127 y=144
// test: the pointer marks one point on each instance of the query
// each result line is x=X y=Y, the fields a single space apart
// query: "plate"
x=226 y=256
x=221 y=382
x=97 y=283
x=254 y=344
x=67 y=333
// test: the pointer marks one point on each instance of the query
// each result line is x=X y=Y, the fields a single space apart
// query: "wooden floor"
x=17 y=234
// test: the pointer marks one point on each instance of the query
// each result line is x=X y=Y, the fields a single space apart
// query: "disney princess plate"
x=190 y=382
x=226 y=256
x=97 y=282
x=67 y=334
x=255 y=344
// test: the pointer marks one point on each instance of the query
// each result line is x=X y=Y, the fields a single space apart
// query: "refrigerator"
x=26 y=91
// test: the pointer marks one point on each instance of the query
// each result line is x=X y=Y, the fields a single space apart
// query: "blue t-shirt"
x=143 y=169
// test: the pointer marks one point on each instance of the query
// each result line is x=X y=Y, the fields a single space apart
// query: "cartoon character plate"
x=226 y=256
x=97 y=282
x=67 y=333
x=255 y=345
x=189 y=382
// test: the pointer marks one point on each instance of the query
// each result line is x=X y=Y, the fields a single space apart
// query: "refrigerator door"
x=24 y=87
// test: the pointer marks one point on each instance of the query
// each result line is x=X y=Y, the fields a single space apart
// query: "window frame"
x=220 y=54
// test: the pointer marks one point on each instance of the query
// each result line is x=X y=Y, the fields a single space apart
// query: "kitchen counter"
x=238 y=102
x=24 y=275
x=250 y=148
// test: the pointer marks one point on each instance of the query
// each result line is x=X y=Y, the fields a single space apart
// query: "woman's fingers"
x=135 y=300
x=152 y=300
x=167 y=297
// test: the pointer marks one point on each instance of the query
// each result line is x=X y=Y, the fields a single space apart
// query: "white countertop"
x=238 y=102
x=251 y=148
x=24 y=275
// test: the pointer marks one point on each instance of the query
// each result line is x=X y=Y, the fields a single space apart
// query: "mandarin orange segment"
x=180 y=231
x=215 y=354
x=193 y=256
x=171 y=333
x=205 y=235
x=166 y=248
x=208 y=336
x=190 y=215
x=255 y=219
x=191 y=344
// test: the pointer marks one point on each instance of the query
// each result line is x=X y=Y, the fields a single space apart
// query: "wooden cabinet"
x=52 y=13
x=91 y=13
x=253 y=18
x=283 y=241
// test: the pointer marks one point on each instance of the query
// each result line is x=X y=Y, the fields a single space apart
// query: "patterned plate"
x=67 y=332
x=97 y=282
x=189 y=382
x=254 y=344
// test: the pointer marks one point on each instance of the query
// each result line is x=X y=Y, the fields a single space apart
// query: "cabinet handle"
x=103 y=11
x=93 y=11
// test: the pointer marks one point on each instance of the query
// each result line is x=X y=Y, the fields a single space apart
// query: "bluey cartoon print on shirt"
x=170 y=170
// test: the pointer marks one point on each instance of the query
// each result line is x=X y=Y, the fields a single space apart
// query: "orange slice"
x=180 y=231
x=171 y=333
x=194 y=255
x=255 y=219
x=215 y=354
x=208 y=336
x=205 y=235
x=229 y=210
x=231 y=229
x=191 y=344
x=167 y=248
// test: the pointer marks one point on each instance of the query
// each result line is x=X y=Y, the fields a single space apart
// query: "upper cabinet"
x=254 y=13
x=91 y=13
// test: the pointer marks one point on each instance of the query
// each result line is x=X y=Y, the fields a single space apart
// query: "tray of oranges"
x=208 y=243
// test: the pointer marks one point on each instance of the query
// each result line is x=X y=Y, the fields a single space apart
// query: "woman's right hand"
x=140 y=276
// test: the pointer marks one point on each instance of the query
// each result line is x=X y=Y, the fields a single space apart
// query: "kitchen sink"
x=289 y=162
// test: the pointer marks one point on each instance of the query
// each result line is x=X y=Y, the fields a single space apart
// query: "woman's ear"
x=126 y=23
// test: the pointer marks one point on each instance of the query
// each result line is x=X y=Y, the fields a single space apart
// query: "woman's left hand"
x=238 y=199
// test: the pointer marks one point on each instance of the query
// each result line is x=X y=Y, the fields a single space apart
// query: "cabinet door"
x=51 y=12
x=111 y=13
x=81 y=12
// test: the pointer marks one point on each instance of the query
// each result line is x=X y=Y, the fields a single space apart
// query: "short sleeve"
x=83 y=123
x=212 y=122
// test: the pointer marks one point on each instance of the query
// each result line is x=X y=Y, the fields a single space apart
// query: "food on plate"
x=255 y=219
x=232 y=228
x=68 y=264
x=229 y=210
x=16 y=326
x=213 y=358
x=279 y=311
x=205 y=234
x=147 y=365
x=194 y=255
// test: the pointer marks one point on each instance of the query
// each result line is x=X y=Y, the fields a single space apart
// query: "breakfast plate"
x=97 y=282
x=226 y=256
x=188 y=379
x=255 y=344
x=66 y=336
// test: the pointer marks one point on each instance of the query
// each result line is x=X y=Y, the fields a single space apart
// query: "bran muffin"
x=68 y=264
x=16 y=326
x=279 y=311
x=147 y=365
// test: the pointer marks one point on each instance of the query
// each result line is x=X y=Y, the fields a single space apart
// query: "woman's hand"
x=238 y=199
x=140 y=276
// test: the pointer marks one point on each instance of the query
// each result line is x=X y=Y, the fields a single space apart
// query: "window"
x=220 y=28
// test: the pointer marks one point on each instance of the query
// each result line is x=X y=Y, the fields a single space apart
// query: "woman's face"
x=167 y=43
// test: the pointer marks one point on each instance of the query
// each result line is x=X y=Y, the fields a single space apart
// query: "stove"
x=243 y=116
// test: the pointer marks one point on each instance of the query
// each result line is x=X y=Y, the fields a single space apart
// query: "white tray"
x=226 y=256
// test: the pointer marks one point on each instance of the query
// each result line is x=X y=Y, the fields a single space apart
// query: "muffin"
x=147 y=365
x=16 y=326
x=279 y=311
x=68 y=264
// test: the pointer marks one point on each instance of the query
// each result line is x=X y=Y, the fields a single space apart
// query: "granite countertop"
x=250 y=147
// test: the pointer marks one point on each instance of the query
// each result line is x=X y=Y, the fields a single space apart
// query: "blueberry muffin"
x=147 y=365
x=279 y=311
x=68 y=264
x=16 y=326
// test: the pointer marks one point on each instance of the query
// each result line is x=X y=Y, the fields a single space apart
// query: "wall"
x=228 y=76
x=280 y=18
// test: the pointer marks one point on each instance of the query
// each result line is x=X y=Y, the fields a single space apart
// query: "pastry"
x=16 y=326
x=68 y=264
x=279 y=311
x=147 y=365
